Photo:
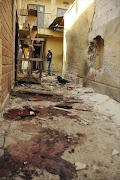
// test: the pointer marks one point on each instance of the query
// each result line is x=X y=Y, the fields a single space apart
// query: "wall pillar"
x=53 y=9
x=76 y=6
x=0 y=58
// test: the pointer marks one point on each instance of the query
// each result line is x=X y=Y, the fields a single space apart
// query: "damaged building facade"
x=90 y=56
x=50 y=27
x=14 y=16
x=92 y=45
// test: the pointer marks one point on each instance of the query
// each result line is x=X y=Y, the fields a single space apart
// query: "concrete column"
x=0 y=59
x=76 y=6
x=53 y=9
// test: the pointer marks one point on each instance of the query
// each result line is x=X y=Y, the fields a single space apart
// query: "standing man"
x=49 y=58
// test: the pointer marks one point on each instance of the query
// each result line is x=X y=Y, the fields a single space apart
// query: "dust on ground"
x=73 y=135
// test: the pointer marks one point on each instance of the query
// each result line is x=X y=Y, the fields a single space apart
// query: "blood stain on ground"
x=19 y=114
x=43 y=151
x=23 y=114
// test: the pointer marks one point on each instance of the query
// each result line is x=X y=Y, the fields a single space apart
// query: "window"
x=61 y=12
x=41 y=13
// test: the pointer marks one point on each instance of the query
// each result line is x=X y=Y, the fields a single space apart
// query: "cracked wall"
x=106 y=24
x=92 y=56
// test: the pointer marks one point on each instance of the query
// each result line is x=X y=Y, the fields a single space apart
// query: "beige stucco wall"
x=47 y=4
x=50 y=7
x=76 y=45
x=106 y=23
x=54 y=39
x=98 y=67
x=56 y=46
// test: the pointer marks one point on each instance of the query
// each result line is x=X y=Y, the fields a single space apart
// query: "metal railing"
x=44 y=19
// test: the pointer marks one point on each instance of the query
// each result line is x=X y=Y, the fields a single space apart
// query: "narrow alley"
x=54 y=131
x=59 y=89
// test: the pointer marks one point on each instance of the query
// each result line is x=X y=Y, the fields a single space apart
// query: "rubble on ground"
x=71 y=133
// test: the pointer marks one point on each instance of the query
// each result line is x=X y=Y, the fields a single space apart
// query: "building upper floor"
x=47 y=10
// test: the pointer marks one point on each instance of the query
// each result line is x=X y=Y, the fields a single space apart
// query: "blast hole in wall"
x=99 y=52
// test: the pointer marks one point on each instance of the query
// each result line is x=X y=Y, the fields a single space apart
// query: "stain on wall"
x=93 y=44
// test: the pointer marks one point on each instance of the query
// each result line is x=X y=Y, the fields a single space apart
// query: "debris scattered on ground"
x=82 y=109
x=38 y=97
x=71 y=151
x=115 y=152
x=34 y=91
x=84 y=122
x=43 y=151
x=61 y=80
x=28 y=151
x=98 y=171
x=80 y=166
x=19 y=114
x=70 y=87
x=66 y=106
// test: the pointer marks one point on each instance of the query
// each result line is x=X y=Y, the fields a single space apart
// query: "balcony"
x=44 y=19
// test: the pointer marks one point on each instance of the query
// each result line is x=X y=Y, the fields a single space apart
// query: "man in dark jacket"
x=49 y=58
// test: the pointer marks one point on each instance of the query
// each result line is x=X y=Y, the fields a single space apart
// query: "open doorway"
x=16 y=45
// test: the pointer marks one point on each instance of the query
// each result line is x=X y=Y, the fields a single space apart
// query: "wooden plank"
x=38 y=39
x=39 y=92
x=37 y=45
x=29 y=59
x=29 y=39
x=23 y=31
x=29 y=79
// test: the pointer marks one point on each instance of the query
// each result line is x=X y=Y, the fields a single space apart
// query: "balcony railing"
x=44 y=19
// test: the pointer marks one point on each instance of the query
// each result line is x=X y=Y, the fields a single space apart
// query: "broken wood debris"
x=33 y=91
x=65 y=106
x=61 y=109
x=82 y=109
x=61 y=80
x=80 y=166
x=115 y=152
x=19 y=114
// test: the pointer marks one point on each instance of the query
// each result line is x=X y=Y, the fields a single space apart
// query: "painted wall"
x=94 y=40
x=47 y=3
x=54 y=39
x=56 y=46
x=76 y=41
x=50 y=8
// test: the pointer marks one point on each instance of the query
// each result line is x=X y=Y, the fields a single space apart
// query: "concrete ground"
x=68 y=132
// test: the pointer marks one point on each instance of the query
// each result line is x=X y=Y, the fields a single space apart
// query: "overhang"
x=58 y=23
